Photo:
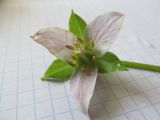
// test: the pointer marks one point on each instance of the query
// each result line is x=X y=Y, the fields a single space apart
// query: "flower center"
x=83 y=53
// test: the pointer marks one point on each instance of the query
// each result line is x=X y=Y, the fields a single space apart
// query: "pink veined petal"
x=104 y=30
x=55 y=40
x=82 y=85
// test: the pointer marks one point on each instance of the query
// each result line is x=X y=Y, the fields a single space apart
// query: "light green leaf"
x=77 y=25
x=59 y=70
x=109 y=63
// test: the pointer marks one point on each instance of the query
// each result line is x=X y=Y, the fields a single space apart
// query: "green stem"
x=141 y=66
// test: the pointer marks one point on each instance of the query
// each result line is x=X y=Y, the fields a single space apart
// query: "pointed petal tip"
x=104 y=30
x=117 y=13
x=35 y=36
x=121 y=16
x=32 y=36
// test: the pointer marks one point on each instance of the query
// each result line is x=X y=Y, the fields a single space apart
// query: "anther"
x=69 y=47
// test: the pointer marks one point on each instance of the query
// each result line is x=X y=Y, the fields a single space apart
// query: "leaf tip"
x=72 y=11
x=43 y=78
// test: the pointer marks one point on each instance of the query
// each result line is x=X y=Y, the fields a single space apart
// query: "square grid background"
x=133 y=95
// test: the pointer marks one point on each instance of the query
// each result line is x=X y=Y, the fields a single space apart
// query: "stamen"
x=80 y=40
x=92 y=44
x=71 y=64
x=69 y=47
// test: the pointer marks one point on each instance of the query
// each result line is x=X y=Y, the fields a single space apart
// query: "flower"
x=98 y=37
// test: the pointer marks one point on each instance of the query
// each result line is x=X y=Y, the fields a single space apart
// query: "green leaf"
x=77 y=25
x=109 y=63
x=59 y=70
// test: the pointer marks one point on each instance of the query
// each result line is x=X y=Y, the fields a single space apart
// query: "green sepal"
x=77 y=25
x=59 y=70
x=109 y=62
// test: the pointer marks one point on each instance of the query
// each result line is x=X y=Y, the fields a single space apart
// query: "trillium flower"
x=82 y=52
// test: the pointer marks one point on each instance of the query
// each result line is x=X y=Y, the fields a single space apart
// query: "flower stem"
x=141 y=66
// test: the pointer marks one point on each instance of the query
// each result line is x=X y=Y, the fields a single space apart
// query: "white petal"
x=82 y=86
x=55 y=40
x=104 y=30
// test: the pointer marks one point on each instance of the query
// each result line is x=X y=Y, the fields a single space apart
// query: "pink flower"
x=102 y=31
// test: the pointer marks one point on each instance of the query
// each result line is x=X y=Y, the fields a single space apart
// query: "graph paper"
x=131 y=95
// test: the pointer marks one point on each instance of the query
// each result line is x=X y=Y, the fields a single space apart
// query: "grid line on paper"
x=49 y=89
x=78 y=109
x=69 y=104
x=132 y=97
x=133 y=101
x=31 y=47
x=74 y=109
x=118 y=101
x=33 y=85
x=17 y=102
x=104 y=107
x=151 y=102
x=63 y=97
x=145 y=94
x=5 y=54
